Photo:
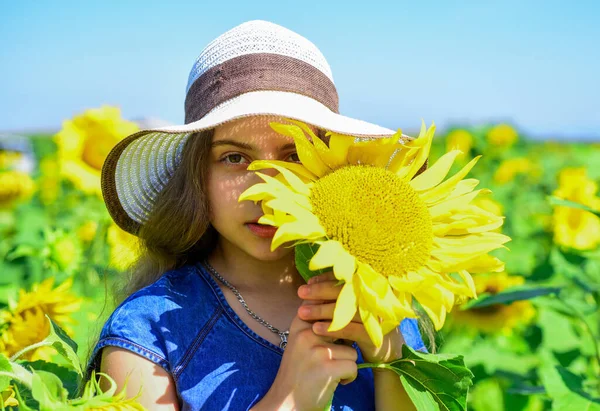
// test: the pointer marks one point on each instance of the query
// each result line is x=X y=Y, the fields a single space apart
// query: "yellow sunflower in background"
x=574 y=227
x=8 y=159
x=15 y=186
x=85 y=141
x=49 y=180
x=26 y=319
x=460 y=140
x=502 y=135
x=497 y=318
x=509 y=169
x=389 y=236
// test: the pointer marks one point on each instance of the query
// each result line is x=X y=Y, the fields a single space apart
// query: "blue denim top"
x=183 y=323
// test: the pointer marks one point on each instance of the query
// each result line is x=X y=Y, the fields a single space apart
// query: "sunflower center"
x=377 y=217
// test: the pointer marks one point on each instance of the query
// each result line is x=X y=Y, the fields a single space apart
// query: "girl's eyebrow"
x=246 y=146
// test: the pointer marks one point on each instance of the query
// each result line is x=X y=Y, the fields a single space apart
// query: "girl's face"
x=235 y=145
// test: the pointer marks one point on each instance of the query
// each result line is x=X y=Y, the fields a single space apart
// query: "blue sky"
x=533 y=63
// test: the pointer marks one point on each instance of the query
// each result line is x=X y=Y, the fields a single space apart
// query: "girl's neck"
x=247 y=273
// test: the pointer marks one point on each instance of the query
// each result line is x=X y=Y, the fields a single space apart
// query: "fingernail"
x=304 y=290
x=305 y=310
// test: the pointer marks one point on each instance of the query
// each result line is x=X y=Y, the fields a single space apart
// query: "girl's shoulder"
x=162 y=319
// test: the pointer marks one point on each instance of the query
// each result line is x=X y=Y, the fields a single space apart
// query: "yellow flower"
x=9 y=158
x=123 y=248
x=488 y=204
x=49 y=180
x=85 y=141
x=497 y=318
x=87 y=231
x=390 y=236
x=459 y=140
x=8 y=397
x=574 y=227
x=509 y=169
x=491 y=206
x=26 y=319
x=15 y=186
x=502 y=135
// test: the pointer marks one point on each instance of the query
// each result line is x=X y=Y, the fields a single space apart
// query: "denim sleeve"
x=409 y=327
x=136 y=326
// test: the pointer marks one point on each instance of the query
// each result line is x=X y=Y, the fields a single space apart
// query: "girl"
x=213 y=319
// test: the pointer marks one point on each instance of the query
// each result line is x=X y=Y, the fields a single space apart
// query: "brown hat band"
x=254 y=72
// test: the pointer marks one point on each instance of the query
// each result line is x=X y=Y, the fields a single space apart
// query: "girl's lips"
x=261 y=230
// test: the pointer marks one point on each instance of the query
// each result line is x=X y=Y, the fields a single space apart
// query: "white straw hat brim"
x=285 y=104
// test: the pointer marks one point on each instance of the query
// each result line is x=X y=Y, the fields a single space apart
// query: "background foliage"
x=531 y=339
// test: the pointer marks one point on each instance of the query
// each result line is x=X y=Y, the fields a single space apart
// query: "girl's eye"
x=294 y=158
x=234 y=159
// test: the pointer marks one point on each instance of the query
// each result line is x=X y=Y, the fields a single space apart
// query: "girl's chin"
x=263 y=251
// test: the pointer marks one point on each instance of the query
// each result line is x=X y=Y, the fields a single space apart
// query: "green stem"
x=15 y=378
x=28 y=348
x=368 y=365
x=589 y=330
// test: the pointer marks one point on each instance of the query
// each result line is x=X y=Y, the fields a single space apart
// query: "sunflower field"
x=531 y=339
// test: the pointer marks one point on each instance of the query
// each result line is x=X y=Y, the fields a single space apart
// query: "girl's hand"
x=322 y=288
x=311 y=369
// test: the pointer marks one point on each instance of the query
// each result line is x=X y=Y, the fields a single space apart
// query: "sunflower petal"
x=448 y=185
x=326 y=255
x=306 y=151
x=324 y=152
x=339 y=145
x=296 y=168
x=435 y=174
x=298 y=230
x=372 y=326
x=345 y=308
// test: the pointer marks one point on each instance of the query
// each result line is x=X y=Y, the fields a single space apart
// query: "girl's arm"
x=390 y=395
x=158 y=388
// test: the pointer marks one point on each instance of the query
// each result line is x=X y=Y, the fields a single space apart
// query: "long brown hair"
x=178 y=230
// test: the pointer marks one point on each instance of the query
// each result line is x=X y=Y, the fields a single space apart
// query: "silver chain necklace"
x=282 y=334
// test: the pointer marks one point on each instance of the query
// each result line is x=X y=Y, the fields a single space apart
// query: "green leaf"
x=61 y=342
x=70 y=379
x=47 y=389
x=65 y=346
x=566 y=389
x=438 y=381
x=7 y=368
x=23 y=403
x=509 y=295
x=304 y=253
x=422 y=400
x=561 y=202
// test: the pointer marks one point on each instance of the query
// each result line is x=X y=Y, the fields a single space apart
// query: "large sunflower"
x=85 y=141
x=389 y=234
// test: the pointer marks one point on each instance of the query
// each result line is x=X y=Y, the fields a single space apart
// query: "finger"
x=326 y=290
x=328 y=276
x=346 y=371
x=353 y=331
x=323 y=311
x=336 y=352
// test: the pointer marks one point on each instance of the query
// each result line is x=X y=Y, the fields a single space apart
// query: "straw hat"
x=256 y=68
